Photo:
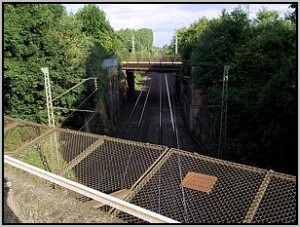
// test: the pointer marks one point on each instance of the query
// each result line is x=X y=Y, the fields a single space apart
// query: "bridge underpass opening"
x=153 y=174
x=153 y=113
x=130 y=67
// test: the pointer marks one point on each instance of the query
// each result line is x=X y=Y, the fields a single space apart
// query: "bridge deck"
x=151 y=65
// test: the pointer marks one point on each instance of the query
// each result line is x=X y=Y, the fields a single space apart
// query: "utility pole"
x=176 y=44
x=51 y=121
x=96 y=83
x=133 y=44
x=223 y=120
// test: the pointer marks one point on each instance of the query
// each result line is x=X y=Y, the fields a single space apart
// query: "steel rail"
x=133 y=109
x=175 y=135
x=144 y=106
x=175 y=122
x=171 y=111
x=101 y=197
x=160 y=110
x=138 y=127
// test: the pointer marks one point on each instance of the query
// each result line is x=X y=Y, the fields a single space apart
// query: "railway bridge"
x=130 y=67
x=153 y=66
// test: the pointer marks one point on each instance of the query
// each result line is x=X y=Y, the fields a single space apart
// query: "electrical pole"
x=176 y=44
x=133 y=44
x=149 y=53
x=51 y=121
x=223 y=120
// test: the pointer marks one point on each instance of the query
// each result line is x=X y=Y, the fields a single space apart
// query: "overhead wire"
x=174 y=126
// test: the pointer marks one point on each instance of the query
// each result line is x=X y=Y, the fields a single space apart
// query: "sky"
x=164 y=19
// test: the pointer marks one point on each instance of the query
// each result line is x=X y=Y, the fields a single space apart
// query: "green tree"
x=189 y=36
x=44 y=35
x=262 y=99
x=25 y=27
x=293 y=16
x=94 y=24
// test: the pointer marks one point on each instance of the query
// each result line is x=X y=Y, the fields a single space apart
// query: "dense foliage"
x=44 y=35
x=262 y=99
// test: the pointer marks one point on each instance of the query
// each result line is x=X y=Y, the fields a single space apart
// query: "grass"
x=138 y=79
x=46 y=155
x=43 y=154
x=7 y=122
x=17 y=136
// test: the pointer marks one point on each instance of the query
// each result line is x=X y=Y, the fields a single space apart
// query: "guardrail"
x=129 y=208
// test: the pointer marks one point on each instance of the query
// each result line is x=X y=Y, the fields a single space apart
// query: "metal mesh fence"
x=116 y=164
x=100 y=162
x=278 y=204
x=227 y=203
x=154 y=173
x=54 y=150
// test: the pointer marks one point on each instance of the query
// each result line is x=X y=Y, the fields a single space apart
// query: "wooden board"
x=121 y=194
x=198 y=181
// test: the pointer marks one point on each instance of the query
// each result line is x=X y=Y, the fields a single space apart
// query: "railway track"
x=167 y=118
x=155 y=118
x=132 y=127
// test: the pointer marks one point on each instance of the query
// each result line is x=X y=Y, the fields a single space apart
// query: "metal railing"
x=91 y=193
